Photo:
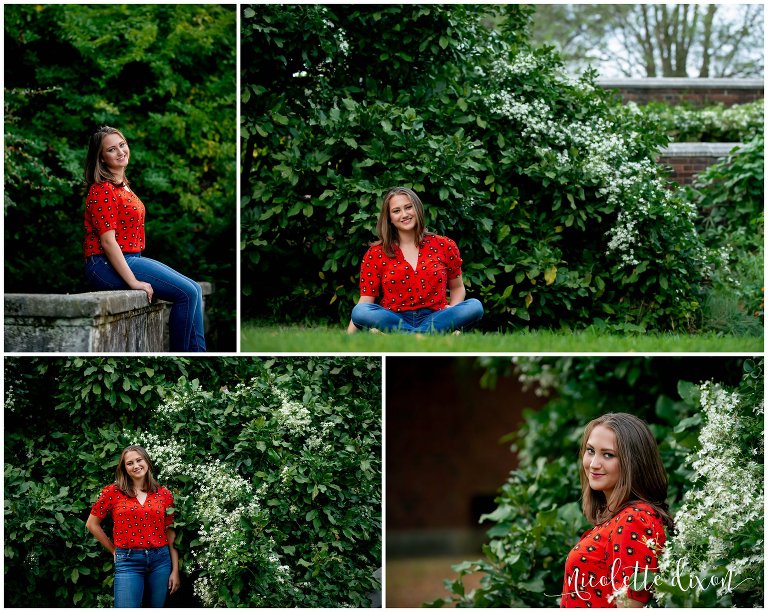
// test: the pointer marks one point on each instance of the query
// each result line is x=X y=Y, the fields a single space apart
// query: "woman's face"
x=402 y=213
x=600 y=461
x=135 y=466
x=115 y=153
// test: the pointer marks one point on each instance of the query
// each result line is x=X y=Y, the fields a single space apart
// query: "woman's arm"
x=174 y=581
x=93 y=524
x=457 y=290
x=117 y=259
x=364 y=299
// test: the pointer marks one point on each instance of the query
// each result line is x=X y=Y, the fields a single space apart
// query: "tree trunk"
x=706 y=42
x=645 y=41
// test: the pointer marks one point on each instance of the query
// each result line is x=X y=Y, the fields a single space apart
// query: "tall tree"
x=665 y=40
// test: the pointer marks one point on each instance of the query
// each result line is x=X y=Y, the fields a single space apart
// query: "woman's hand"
x=117 y=259
x=174 y=582
x=146 y=287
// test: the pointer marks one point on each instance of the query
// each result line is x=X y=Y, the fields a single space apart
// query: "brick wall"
x=444 y=459
x=687 y=159
x=697 y=92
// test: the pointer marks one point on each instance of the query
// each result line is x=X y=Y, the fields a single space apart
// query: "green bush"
x=274 y=465
x=730 y=198
x=738 y=123
x=164 y=75
x=548 y=184
x=538 y=518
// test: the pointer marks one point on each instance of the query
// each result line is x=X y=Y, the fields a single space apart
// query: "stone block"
x=98 y=321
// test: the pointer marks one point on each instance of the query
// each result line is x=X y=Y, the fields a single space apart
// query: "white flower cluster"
x=606 y=154
x=291 y=414
x=204 y=590
x=10 y=399
x=181 y=400
x=166 y=454
x=536 y=375
x=727 y=497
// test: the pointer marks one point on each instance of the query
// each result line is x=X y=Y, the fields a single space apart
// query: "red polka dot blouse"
x=606 y=558
x=136 y=525
x=108 y=207
x=404 y=288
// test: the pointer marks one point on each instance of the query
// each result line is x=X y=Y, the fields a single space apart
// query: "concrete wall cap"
x=699 y=149
x=680 y=83
x=75 y=305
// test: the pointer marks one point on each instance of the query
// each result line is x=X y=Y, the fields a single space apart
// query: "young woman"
x=114 y=240
x=624 y=491
x=417 y=275
x=145 y=559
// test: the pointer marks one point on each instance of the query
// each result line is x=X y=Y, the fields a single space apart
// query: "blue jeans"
x=137 y=569
x=460 y=316
x=186 y=321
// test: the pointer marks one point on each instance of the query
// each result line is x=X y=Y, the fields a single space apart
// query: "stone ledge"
x=699 y=149
x=98 y=321
x=680 y=83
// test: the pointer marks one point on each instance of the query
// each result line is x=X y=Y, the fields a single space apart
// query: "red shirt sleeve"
x=637 y=541
x=169 y=517
x=452 y=259
x=105 y=502
x=370 y=271
x=101 y=207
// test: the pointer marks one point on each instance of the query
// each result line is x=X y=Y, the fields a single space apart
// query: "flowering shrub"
x=274 y=465
x=538 y=517
x=547 y=183
x=719 y=526
x=738 y=123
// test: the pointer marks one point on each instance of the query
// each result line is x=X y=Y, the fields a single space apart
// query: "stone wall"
x=697 y=92
x=99 y=321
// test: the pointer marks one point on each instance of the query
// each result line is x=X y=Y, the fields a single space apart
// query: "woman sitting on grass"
x=413 y=271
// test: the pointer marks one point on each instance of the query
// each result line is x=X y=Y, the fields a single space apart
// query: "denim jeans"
x=186 y=321
x=140 y=569
x=461 y=316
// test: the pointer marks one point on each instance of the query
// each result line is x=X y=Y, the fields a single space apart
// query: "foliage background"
x=538 y=517
x=165 y=76
x=546 y=182
x=274 y=464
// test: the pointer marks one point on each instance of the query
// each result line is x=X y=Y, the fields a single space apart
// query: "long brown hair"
x=641 y=473
x=125 y=483
x=95 y=170
x=387 y=232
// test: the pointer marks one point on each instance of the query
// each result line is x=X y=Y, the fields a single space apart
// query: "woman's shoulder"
x=375 y=248
x=440 y=240
x=104 y=187
x=637 y=510
x=110 y=489
x=164 y=491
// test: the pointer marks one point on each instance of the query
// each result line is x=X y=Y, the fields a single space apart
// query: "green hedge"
x=274 y=464
x=548 y=184
x=738 y=123
x=538 y=518
x=165 y=76
x=730 y=198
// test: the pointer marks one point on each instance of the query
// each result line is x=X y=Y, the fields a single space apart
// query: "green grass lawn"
x=304 y=339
